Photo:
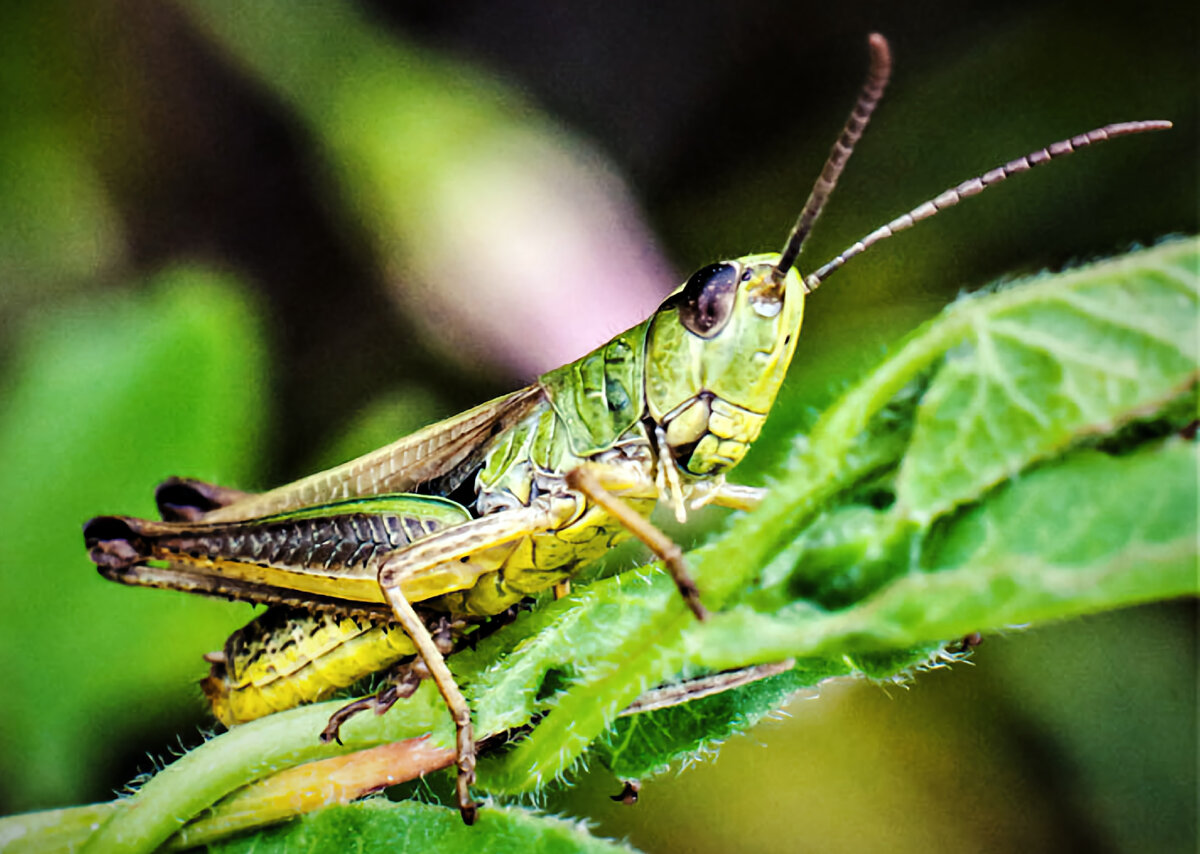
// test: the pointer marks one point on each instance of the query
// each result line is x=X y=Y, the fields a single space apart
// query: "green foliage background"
x=211 y=215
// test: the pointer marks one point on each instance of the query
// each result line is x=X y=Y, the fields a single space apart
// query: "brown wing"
x=429 y=454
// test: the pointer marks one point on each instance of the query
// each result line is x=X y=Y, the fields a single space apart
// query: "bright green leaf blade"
x=1140 y=503
x=1042 y=365
x=1032 y=552
x=377 y=825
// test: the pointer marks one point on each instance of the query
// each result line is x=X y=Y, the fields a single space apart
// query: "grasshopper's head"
x=717 y=351
x=718 y=348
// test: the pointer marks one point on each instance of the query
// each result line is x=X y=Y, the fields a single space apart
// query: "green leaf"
x=1038 y=367
x=1016 y=558
x=377 y=825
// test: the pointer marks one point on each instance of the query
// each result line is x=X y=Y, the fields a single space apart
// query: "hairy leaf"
x=377 y=825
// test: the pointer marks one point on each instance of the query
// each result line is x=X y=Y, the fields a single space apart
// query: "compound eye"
x=706 y=301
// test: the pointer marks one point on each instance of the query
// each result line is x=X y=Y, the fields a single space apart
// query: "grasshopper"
x=400 y=553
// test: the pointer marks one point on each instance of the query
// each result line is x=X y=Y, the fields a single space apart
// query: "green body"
x=686 y=390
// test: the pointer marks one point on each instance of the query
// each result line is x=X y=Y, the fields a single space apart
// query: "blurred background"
x=243 y=241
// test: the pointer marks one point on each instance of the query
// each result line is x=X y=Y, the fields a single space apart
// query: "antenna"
x=872 y=90
x=973 y=187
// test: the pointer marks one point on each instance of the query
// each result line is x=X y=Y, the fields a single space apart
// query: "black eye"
x=706 y=301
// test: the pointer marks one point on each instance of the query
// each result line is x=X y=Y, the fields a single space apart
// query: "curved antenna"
x=877 y=77
x=973 y=187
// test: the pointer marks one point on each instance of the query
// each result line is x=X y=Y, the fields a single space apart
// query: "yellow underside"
x=335 y=652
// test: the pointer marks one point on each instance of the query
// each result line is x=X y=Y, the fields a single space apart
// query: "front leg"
x=589 y=479
x=731 y=495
